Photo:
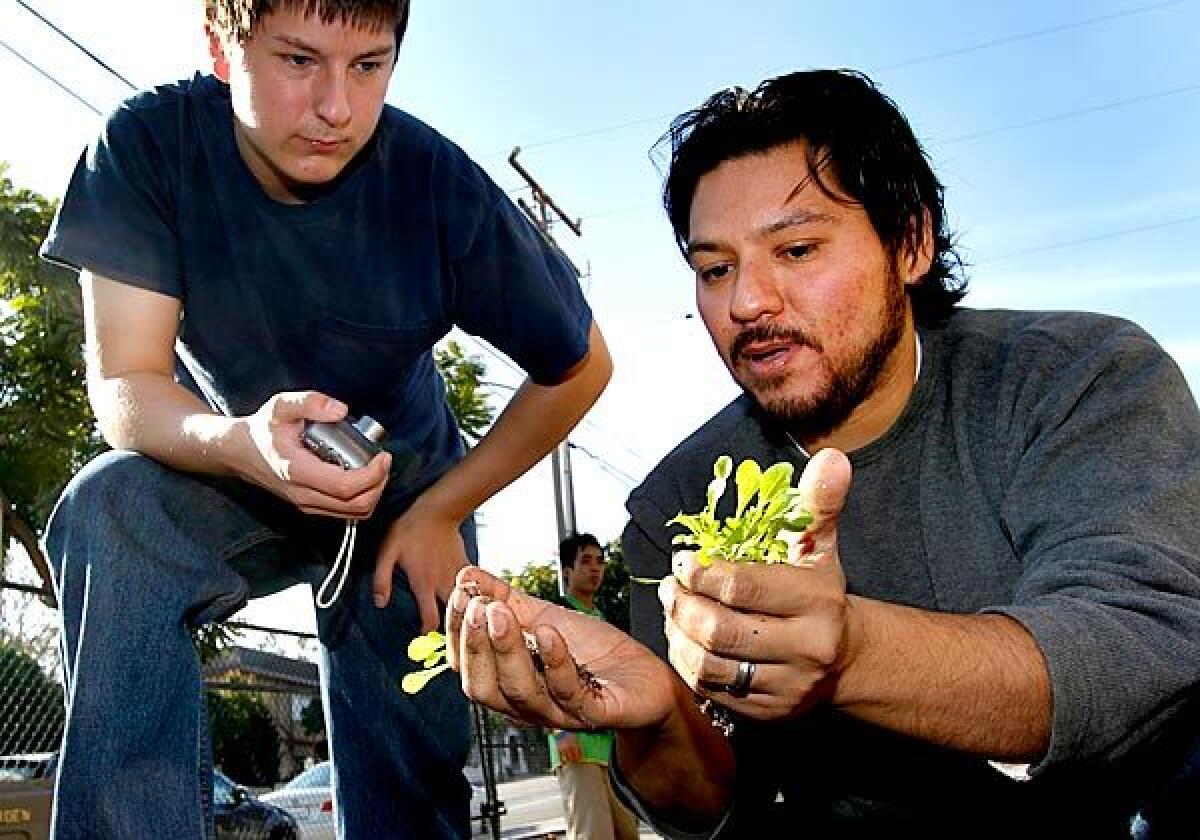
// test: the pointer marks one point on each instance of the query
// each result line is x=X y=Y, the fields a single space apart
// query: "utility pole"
x=560 y=458
x=564 y=503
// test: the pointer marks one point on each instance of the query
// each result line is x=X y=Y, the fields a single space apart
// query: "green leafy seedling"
x=768 y=508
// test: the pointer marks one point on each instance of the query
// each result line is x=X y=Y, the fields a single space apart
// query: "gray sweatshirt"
x=1046 y=467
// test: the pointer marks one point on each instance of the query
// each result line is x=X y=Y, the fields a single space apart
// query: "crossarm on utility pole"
x=543 y=198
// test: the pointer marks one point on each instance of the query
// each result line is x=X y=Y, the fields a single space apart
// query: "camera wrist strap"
x=340 y=569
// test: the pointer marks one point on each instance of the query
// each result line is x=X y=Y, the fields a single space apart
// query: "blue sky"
x=1065 y=133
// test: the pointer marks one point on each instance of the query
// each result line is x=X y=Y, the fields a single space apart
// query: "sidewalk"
x=533 y=809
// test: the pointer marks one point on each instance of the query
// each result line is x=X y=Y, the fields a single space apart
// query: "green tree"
x=536 y=580
x=613 y=595
x=47 y=430
x=31 y=704
x=312 y=717
x=245 y=743
x=463 y=375
x=211 y=639
x=612 y=598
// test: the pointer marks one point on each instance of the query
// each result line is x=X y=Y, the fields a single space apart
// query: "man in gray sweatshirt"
x=1004 y=564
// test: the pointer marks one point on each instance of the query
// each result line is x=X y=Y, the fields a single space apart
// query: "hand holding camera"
x=345 y=479
x=346 y=444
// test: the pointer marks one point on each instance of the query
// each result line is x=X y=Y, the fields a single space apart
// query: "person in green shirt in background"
x=580 y=759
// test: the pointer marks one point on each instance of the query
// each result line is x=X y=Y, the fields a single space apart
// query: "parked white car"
x=308 y=798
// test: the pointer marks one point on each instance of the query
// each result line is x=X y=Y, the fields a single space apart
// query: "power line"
x=1053 y=246
x=1024 y=36
x=592 y=424
x=74 y=43
x=53 y=80
x=1066 y=115
x=607 y=466
x=496 y=354
x=1068 y=243
x=982 y=133
x=910 y=62
x=607 y=129
x=620 y=211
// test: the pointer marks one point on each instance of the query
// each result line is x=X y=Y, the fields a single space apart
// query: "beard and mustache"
x=817 y=414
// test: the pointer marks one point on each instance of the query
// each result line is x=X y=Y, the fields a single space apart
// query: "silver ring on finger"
x=740 y=686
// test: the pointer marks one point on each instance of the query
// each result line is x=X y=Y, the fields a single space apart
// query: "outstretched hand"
x=586 y=674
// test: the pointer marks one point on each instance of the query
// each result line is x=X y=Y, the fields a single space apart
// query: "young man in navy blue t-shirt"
x=258 y=248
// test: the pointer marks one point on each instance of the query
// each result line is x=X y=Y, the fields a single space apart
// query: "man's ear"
x=919 y=256
x=217 y=52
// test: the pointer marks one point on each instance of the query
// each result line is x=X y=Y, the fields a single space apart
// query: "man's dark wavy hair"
x=859 y=147
x=237 y=18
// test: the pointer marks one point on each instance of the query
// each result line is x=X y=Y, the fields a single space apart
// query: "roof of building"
x=267 y=666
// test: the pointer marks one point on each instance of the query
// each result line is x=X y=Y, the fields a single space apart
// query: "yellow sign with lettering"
x=12 y=816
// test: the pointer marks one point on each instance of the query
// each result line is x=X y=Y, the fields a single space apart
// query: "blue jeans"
x=141 y=552
x=1172 y=812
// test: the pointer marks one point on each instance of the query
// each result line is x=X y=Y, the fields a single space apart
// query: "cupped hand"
x=792 y=620
x=278 y=461
x=587 y=673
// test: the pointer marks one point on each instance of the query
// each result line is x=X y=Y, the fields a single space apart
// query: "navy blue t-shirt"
x=346 y=294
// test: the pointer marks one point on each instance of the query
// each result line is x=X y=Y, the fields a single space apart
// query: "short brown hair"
x=237 y=18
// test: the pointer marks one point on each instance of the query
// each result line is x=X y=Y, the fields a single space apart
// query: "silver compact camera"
x=347 y=444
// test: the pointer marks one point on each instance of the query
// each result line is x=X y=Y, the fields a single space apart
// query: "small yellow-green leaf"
x=723 y=467
x=422 y=647
x=748 y=476
x=414 y=682
x=774 y=481
x=800 y=521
